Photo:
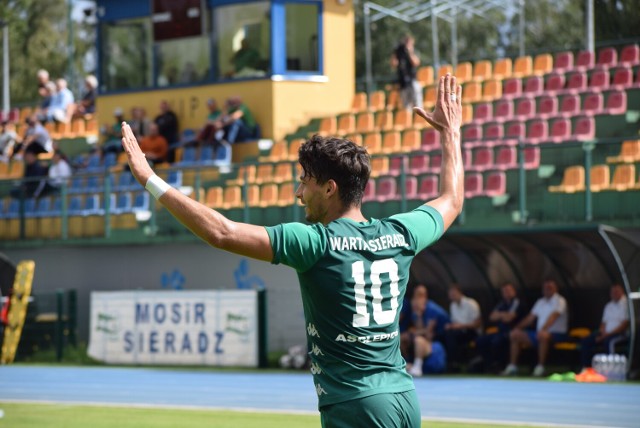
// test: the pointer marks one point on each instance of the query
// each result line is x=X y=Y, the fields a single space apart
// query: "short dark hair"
x=340 y=160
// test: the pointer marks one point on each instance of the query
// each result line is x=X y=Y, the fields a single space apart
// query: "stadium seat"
x=391 y=143
x=622 y=78
x=560 y=130
x=328 y=126
x=515 y=132
x=294 y=146
x=472 y=92
x=346 y=125
x=471 y=133
x=503 y=68
x=467 y=113
x=278 y=152
x=607 y=57
x=493 y=133
x=384 y=121
x=576 y=82
x=593 y=103
x=537 y=131
x=630 y=55
x=369 y=191
x=268 y=195
x=411 y=141
x=523 y=66
x=264 y=173
x=411 y=187
x=435 y=163
x=555 y=83
x=585 y=60
x=563 y=61
x=482 y=159
x=402 y=119
x=373 y=143
x=482 y=112
x=418 y=164
x=356 y=138
x=616 y=103
x=16 y=169
x=425 y=75
x=464 y=72
x=379 y=166
x=569 y=105
x=507 y=158
x=393 y=100
x=572 y=180
x=629 y=152
x=174 y=178
x=473 y=185
x=491 y=90
x=531 y=157
x=496 y=184
x=4 y=170
x=584 y=129
x=430 y=139
x=359 y=102
x=547 y=106
x=286 y=194
x=377 y=101
x=600 y=179
x=542 y=64
x=624 y=177
x=511 y=88
x=525 y=108
x=365 y=122
x=428 y=187
x=430 y=94
x=482 y=70
x=444 y=69
x=600 y=79
x=141 y=202
x=503 y=110
x=386 y=189
x=245 y=173
x=232 y=197
x=395 y=165
x=123 y=203
x=533 y=86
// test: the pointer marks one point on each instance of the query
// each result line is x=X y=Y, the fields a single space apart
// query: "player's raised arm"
x=446 y=118
x=211 y=226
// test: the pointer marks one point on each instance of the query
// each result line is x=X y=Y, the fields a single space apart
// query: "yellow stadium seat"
x=503 y=68
x=278 y=152
x=214 y=197
x=444 y=69
x=424 y=75
x=294 y=146
x=4 y=170
x=391 y=143
x=491 y=90
x=232 y=197
x=269 y=195
x=600 y=179
x=572 y=180
x=356 y=138
x=16 y=169
x=377 y=101
x=393 y=100
x=78 y=128
x=264 y=173
x=365 y=122
x=542 y=64
x=286 y=194
x=482 y=70
x=430 y=93
x=523 y=66
x=624 y=177
x=373 y=143
x=403 y=119
x=472 y=92
x=379 y=166
x=24 y=113
x=328 y=126
x=283 y=172
x=359 y=102
x=464 y=72
x=467 y=113
x=91 y=127
x=384 y=121
x=253 y=195
x=247 y=172
x=629 y=152
x=411 y=140
x=346 y=124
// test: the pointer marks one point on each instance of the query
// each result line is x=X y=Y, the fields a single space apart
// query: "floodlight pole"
x=591 y=43
x=434 y=35
x=454 y=38
x=367 y=48
x=6 y=102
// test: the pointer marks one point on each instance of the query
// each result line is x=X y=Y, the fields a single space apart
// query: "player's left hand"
x=137 y=161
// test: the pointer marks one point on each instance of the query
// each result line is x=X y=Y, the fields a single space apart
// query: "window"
x=243 y=40
x=302 y=37
x=126 y=59
x=182 y=61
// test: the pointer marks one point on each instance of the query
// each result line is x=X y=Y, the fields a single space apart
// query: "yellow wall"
x=279 y=107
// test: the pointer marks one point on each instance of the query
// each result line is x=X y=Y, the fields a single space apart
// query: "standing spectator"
x=466 y=322
x=613 y=328
x=87 y=104
x=246 y=59
x=139 y=122
x=34 y=179
x=422 y=322
x=8 y=139
x=43 y=79
x=405 y=61
x=59 y=173
x=551 y=316
x=167 y=122
x=154 y=146
x=61 y=105
x=239 y=122
x=494 y=347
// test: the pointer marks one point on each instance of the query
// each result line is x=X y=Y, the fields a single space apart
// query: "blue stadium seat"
x=94 y=184
x=110 y=159
x=141 y=202
x=44 y=206
x=188 y=156
x=94 y=164
x=92 y=205
x=206 y=155
x=75 y=205
x=30 y=207
x=175 y=178
x=223 y=154
x=77 y=184
x=123 y=203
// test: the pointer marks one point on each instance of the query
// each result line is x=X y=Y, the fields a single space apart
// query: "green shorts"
x=399 y=410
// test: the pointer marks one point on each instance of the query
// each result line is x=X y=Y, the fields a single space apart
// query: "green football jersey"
x=353 y=278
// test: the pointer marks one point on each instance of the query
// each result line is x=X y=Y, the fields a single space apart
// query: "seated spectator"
x=465 y=325
x=239 y=124
x=154 y=146
x=422 y=322
x=167 y=122
x=43 y=79
x=36 y=138
x=246 y=59
x=613 y=328
x=139 y=122
x=61 y=105
x=212 y=131
x=493 y=348
x=8 y=139
x=551 y=316
x=113 y=134
x=34 y=179
x=59 y=173
x=87 y=104
x=48 y=92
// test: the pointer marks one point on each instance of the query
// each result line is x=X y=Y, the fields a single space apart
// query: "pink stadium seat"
x=563 y=61
x=436 y=163
x=386 y=189
x=560 y=130
x=584 y=60
x=482 y=159
x=622 y=78
x=608 y=57
x=472 y=185
x=630 y=55
x=466 y=158
x=576 y=82
x=430 y=139
x=411 y=187
x=514 y=132
x=395 y=165
x=531 y=157
x=503 y=110
x=570 y=105
x=511 y=88
x=418 y=164
x=537 y=132
x=547 y=106
x=428 y=188
x=482 y=112
x=555 y=82
x=584 y=129
x=369 y=191
x=600 y=79
x=471 y=133
x=534 y=85
x=496 y=184
x=494 y=131
x=507 y=158
x=616 y=102
x=525 y=108
x=593 y=103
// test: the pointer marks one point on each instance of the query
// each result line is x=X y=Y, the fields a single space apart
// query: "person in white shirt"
x=59 y=173
x=614 y=326
x=466 y=323
x=552 y=318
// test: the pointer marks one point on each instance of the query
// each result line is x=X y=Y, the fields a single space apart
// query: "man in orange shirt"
x=154 y=146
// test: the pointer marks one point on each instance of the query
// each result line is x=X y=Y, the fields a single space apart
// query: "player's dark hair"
x=340 y=160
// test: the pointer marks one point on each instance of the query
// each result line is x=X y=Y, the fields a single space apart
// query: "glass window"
x=302 y=37
x=126 y=65
x=182 y=61
x=243 y=40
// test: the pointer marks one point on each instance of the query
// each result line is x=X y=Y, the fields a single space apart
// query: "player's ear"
x=331 y=187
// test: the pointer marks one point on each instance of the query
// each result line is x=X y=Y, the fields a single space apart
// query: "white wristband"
x=157 y=186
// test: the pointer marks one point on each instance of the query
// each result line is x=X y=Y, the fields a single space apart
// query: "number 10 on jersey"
x=362 y=317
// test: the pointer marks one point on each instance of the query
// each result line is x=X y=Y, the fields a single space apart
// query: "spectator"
x=139 y=122
x=246 y=59
x=59 y=173
x=466 y=323
x=113 y=134
x=239 y=123
x=613 y=328
x=36 y=138
x=212 y=131
x=154 y=146
x=48 y=92
x=8 y=139
x=493 y=348
x=422 y=321
x=34 y=179
x=167 y=122
x=43 y=80
x=61 y=105
x=405 y=61
x=551 y=316
x=188 y=74
x=87 y=104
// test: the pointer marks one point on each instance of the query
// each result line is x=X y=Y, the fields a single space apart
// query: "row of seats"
x=11 y=170
x=629 y=152
x=265 y=195
x=573 y=180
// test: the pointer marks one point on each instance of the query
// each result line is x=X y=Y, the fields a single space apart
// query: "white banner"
x=217 y=328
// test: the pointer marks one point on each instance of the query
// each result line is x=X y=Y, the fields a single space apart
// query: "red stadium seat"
x=514 y=132
x=525 y=108
x=436 y=163
x=511 y=88
x=630 y=55
x=584 y=60
x=482 y=159
x=386 y=189
x=482 y=112
x=616 y=102
x=570 y=105
x=428 y=188
x=563 y=61
x=531 y=157
x=547 y=106
x=430 y=139
x=584 y=129
x=471 y=133
x=537 y=132
x=600 y=79
x=534 y=85
x=576 y=82
x=466 y=158
x=418 y=164
x=622 y=78
x=593 y=103
x=560 y=130
x=411 y=187
x=608 y=57
x=555 y=82
x=472 y=185
x=395 y=165
x=496 y=184
x=503 y=110
x=369 y=191
x=507 y=158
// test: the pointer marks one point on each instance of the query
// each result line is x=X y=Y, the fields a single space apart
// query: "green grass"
x=25 y=415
